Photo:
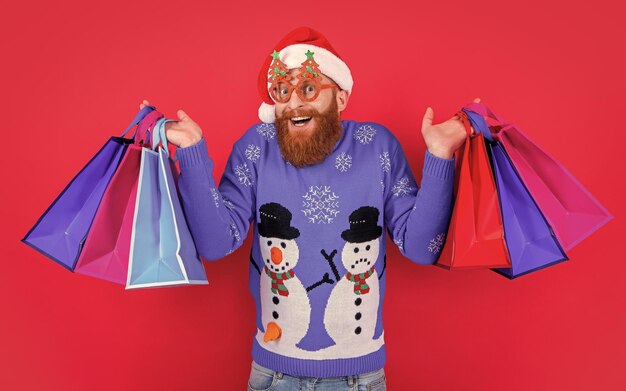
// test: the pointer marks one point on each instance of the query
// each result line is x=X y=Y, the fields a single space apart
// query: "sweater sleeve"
x=218 y=218
x=417 y=218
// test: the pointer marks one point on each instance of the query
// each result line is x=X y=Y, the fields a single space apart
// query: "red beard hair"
x=305 y=150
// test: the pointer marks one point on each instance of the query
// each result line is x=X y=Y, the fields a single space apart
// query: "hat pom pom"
x=267 y=113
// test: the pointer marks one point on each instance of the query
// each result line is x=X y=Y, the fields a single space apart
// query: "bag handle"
x=464 y=118
x=159 y=135
x=479 y=124
x=483 y=110
x=138 y=117
x=142 y=135
x=477 y=112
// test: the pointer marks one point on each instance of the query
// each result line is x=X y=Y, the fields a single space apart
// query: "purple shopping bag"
x=571 y=210
x=60 y=232
x=530 y=240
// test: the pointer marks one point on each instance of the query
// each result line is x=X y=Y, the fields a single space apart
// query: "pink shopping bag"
x=571 y=210
x=107 y=248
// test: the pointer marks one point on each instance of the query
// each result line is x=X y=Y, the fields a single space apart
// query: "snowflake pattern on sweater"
x=343 y=162
x=268 y=131
x=385 y=161
x=402 y=187
x=253 y=152
x=435 y=245
x=365 y=134
x=321 y=205
x=243 y=174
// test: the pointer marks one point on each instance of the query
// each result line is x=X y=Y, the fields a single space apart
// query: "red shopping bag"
x=475 y=238
x=107 y=248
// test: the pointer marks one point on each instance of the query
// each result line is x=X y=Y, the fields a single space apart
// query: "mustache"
x=293 y=113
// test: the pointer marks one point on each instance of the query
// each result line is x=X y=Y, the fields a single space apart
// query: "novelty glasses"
x=307 y=89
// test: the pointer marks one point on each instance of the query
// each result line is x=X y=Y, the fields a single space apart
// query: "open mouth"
x=300 y=121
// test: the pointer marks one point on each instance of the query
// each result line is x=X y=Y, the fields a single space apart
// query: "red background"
x=73 y=73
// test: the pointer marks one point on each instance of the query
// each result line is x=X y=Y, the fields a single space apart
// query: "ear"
x=342 y=100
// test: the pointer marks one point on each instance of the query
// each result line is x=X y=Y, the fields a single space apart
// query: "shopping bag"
x=107 y=247
x=571 y=210
x=529 y=239
x=60 y=232
x=475 y=237
x=162 y=251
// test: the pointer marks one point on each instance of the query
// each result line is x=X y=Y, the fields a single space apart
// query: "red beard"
x=304 y=150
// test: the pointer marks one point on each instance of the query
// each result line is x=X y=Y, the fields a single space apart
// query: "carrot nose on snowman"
x=276 y=255
x=272 y=332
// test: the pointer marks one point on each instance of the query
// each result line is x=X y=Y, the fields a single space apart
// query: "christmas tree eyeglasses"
x=307 y=89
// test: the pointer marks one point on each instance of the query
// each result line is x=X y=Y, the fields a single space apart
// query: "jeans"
x=265 y=379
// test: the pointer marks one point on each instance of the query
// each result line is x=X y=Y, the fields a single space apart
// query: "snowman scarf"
x=360 y=286
x=277 y=281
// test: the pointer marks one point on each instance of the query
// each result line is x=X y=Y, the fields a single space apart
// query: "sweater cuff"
x=438 y=167
x=193 y=154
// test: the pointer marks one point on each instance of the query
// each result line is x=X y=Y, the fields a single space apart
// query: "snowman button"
x=275 y=300
x=357 y=330
x=357 y=301
x=357 y=316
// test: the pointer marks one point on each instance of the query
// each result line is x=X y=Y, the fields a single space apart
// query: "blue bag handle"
x=138 y=117
x=159 y=135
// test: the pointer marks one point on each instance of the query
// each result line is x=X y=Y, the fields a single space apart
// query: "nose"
x=294 y=101
x=276 y=255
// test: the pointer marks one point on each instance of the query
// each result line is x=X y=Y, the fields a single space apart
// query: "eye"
x=283 y=245
x=269 y=242
x=356 y=249
x=367 y=248
x=308 y=89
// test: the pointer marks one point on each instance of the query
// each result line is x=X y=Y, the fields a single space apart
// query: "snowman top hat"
x=276 y=222
x=363 y=225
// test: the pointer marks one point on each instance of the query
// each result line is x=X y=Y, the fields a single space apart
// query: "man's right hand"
x=182 y=133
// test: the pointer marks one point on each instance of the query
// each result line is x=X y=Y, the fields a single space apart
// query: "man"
x=321 y=191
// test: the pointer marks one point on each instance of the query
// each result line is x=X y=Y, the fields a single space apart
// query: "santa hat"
x=292 y=49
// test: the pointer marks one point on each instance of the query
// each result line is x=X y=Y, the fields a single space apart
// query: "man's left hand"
x=443 y=139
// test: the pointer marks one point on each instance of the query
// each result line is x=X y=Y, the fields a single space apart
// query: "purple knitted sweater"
x=317 y=266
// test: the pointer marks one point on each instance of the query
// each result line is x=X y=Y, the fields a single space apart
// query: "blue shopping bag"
x=162 y=250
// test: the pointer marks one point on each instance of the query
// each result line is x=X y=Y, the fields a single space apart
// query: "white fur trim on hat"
x=267 y=113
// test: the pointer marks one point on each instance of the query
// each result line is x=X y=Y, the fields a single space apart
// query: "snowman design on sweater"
x=285 y=306
x=351 y=312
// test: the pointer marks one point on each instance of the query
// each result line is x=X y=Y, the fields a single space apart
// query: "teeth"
x=300 y=118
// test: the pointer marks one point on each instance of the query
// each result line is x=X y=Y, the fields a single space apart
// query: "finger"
x=183 y=116
x=172 y=134
x=429 y=115
x=172 y=125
